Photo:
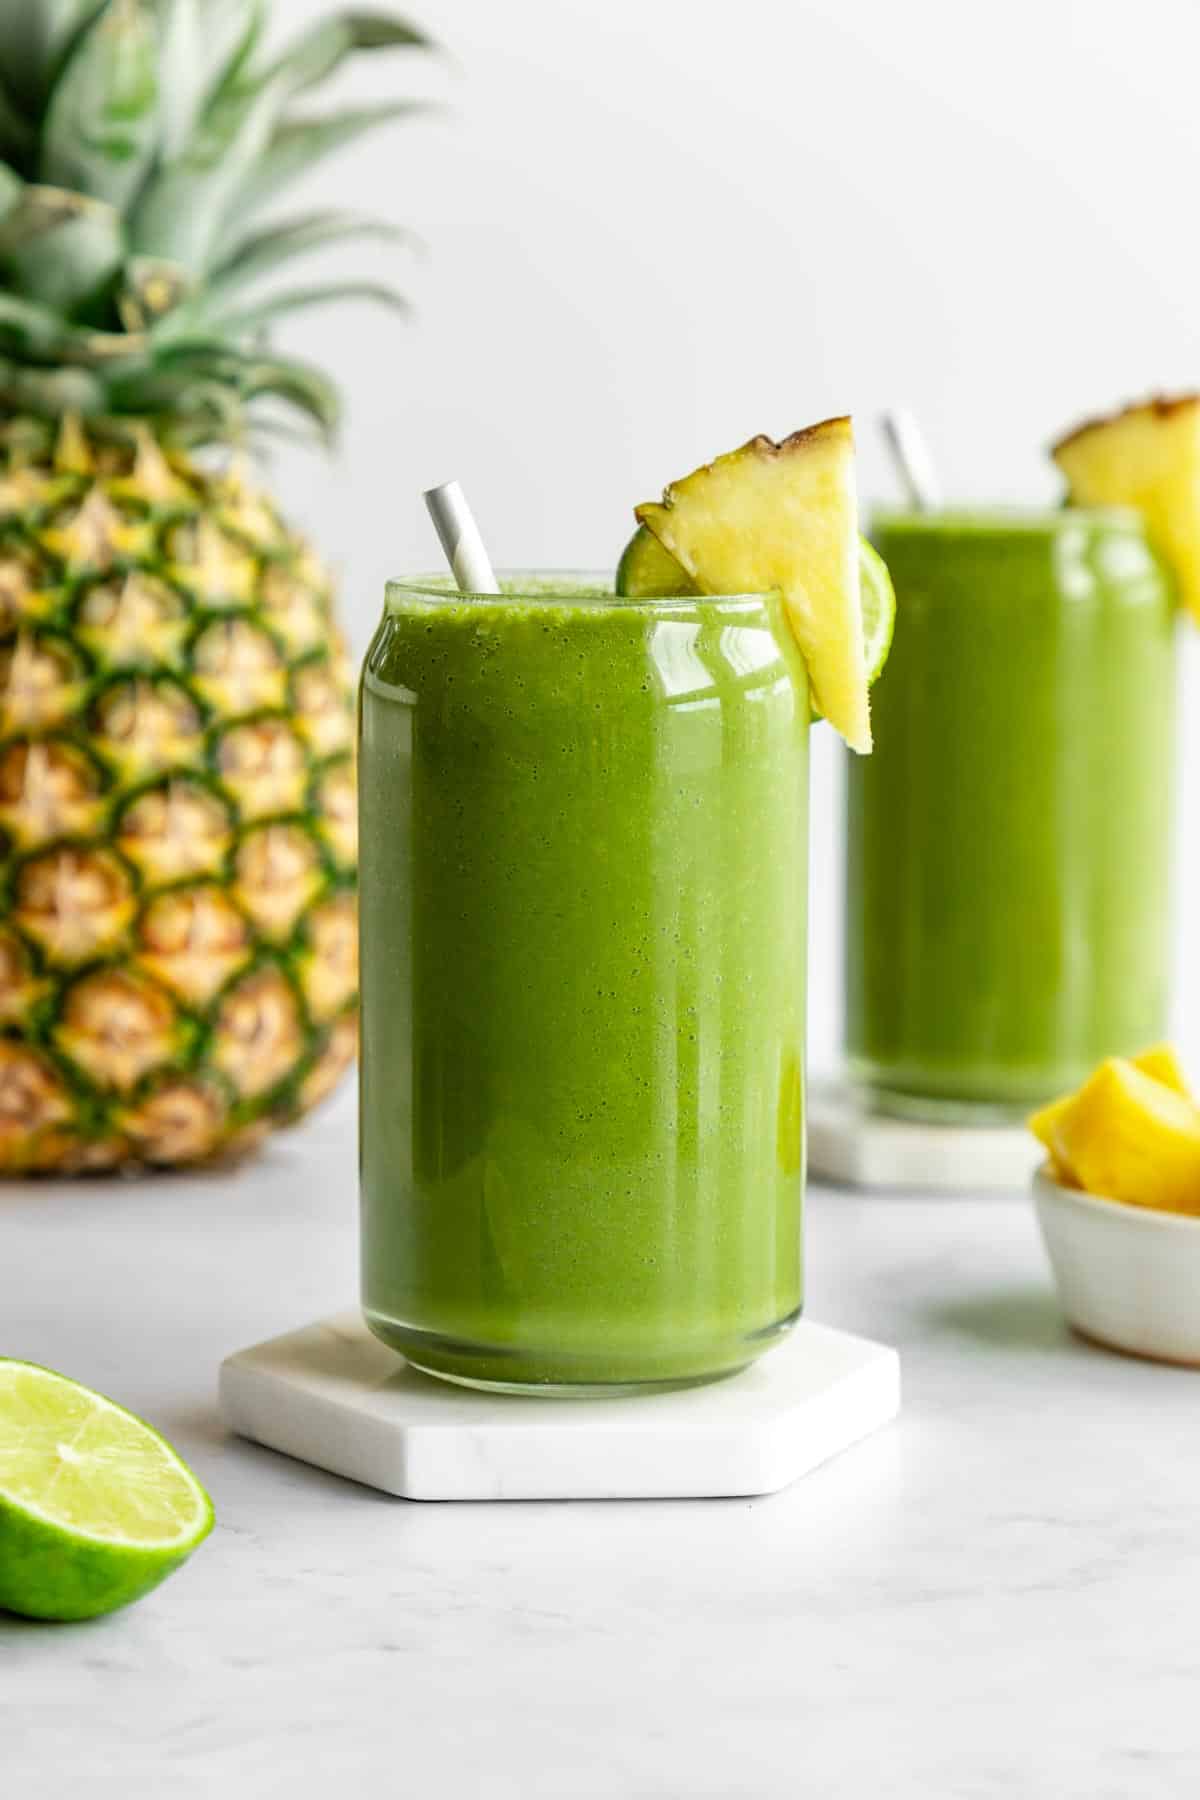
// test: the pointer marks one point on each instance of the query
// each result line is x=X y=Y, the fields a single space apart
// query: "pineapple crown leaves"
x=140 y=141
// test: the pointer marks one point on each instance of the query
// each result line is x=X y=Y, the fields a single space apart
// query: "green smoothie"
x=583 y=889
x=1008 y=842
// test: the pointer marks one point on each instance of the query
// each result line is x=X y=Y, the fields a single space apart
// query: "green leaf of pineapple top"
x=16 y=133
x=60 y=248
x=184 y=71
x=48 y=393
x=232 y=31
x=101 y=128
x=36 y=35
x=249 y=320
x=179 y=214
x=298 y=143
x=11 y=189
x=322 y=49
x=138 y=139
x=262 y=252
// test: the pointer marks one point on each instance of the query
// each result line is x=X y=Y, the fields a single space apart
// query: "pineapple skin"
x=178 y=940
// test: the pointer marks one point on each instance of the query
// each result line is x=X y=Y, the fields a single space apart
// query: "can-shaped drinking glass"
x=583 y=887
x=1008 y=843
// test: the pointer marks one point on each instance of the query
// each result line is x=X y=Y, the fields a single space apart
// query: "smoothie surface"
x=553 y=588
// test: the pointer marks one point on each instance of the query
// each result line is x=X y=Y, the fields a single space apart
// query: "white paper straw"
x=913 y=463
x=458 y=533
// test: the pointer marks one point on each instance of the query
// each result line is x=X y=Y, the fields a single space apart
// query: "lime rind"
x=878 y=608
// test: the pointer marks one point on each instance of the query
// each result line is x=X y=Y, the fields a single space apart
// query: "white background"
x=654 y=227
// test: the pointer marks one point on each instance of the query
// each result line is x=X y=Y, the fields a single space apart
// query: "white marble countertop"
x=1000 y=1595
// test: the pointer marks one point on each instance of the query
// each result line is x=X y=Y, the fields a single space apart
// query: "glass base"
x=971 y=1095
x=572 y=1390
x=505 y=1369
x=929 y=1109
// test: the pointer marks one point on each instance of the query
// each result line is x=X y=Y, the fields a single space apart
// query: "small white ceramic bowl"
x=1127 y=1276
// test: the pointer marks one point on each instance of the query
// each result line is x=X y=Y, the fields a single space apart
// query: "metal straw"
x=913 y=463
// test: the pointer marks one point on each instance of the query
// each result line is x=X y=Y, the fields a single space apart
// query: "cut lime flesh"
x=648 y=571
x=95 y=1508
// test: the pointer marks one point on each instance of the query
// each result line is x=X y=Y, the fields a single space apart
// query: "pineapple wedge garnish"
x=783 y=517
x=1127 y=1136
x=1148 y=457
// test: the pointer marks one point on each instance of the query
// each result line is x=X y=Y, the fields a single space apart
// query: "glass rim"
x=572 y=588
x=999 y=517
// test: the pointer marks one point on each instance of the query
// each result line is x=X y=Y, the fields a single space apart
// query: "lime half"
x=647 y=571
x=95 y=1508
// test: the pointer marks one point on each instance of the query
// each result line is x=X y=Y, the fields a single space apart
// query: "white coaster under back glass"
x=332 y=1395
x=851 y=1143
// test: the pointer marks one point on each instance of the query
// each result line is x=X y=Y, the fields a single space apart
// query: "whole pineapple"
x=178 y=961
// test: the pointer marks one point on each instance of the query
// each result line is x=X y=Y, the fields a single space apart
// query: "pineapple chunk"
x=1043 y=1125
x=1147 y=457
x=1159 y=1062
x=1129 y=1137
x=783 y=517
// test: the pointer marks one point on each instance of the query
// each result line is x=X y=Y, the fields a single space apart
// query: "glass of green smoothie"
x=1008 y=843
x=583 y=892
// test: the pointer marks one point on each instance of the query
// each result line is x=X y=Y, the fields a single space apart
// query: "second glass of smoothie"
x=583 y=886
x=1008 y=843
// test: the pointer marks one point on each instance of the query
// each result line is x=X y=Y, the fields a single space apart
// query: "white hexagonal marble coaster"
x=849 y=1143
x=334 y=1396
